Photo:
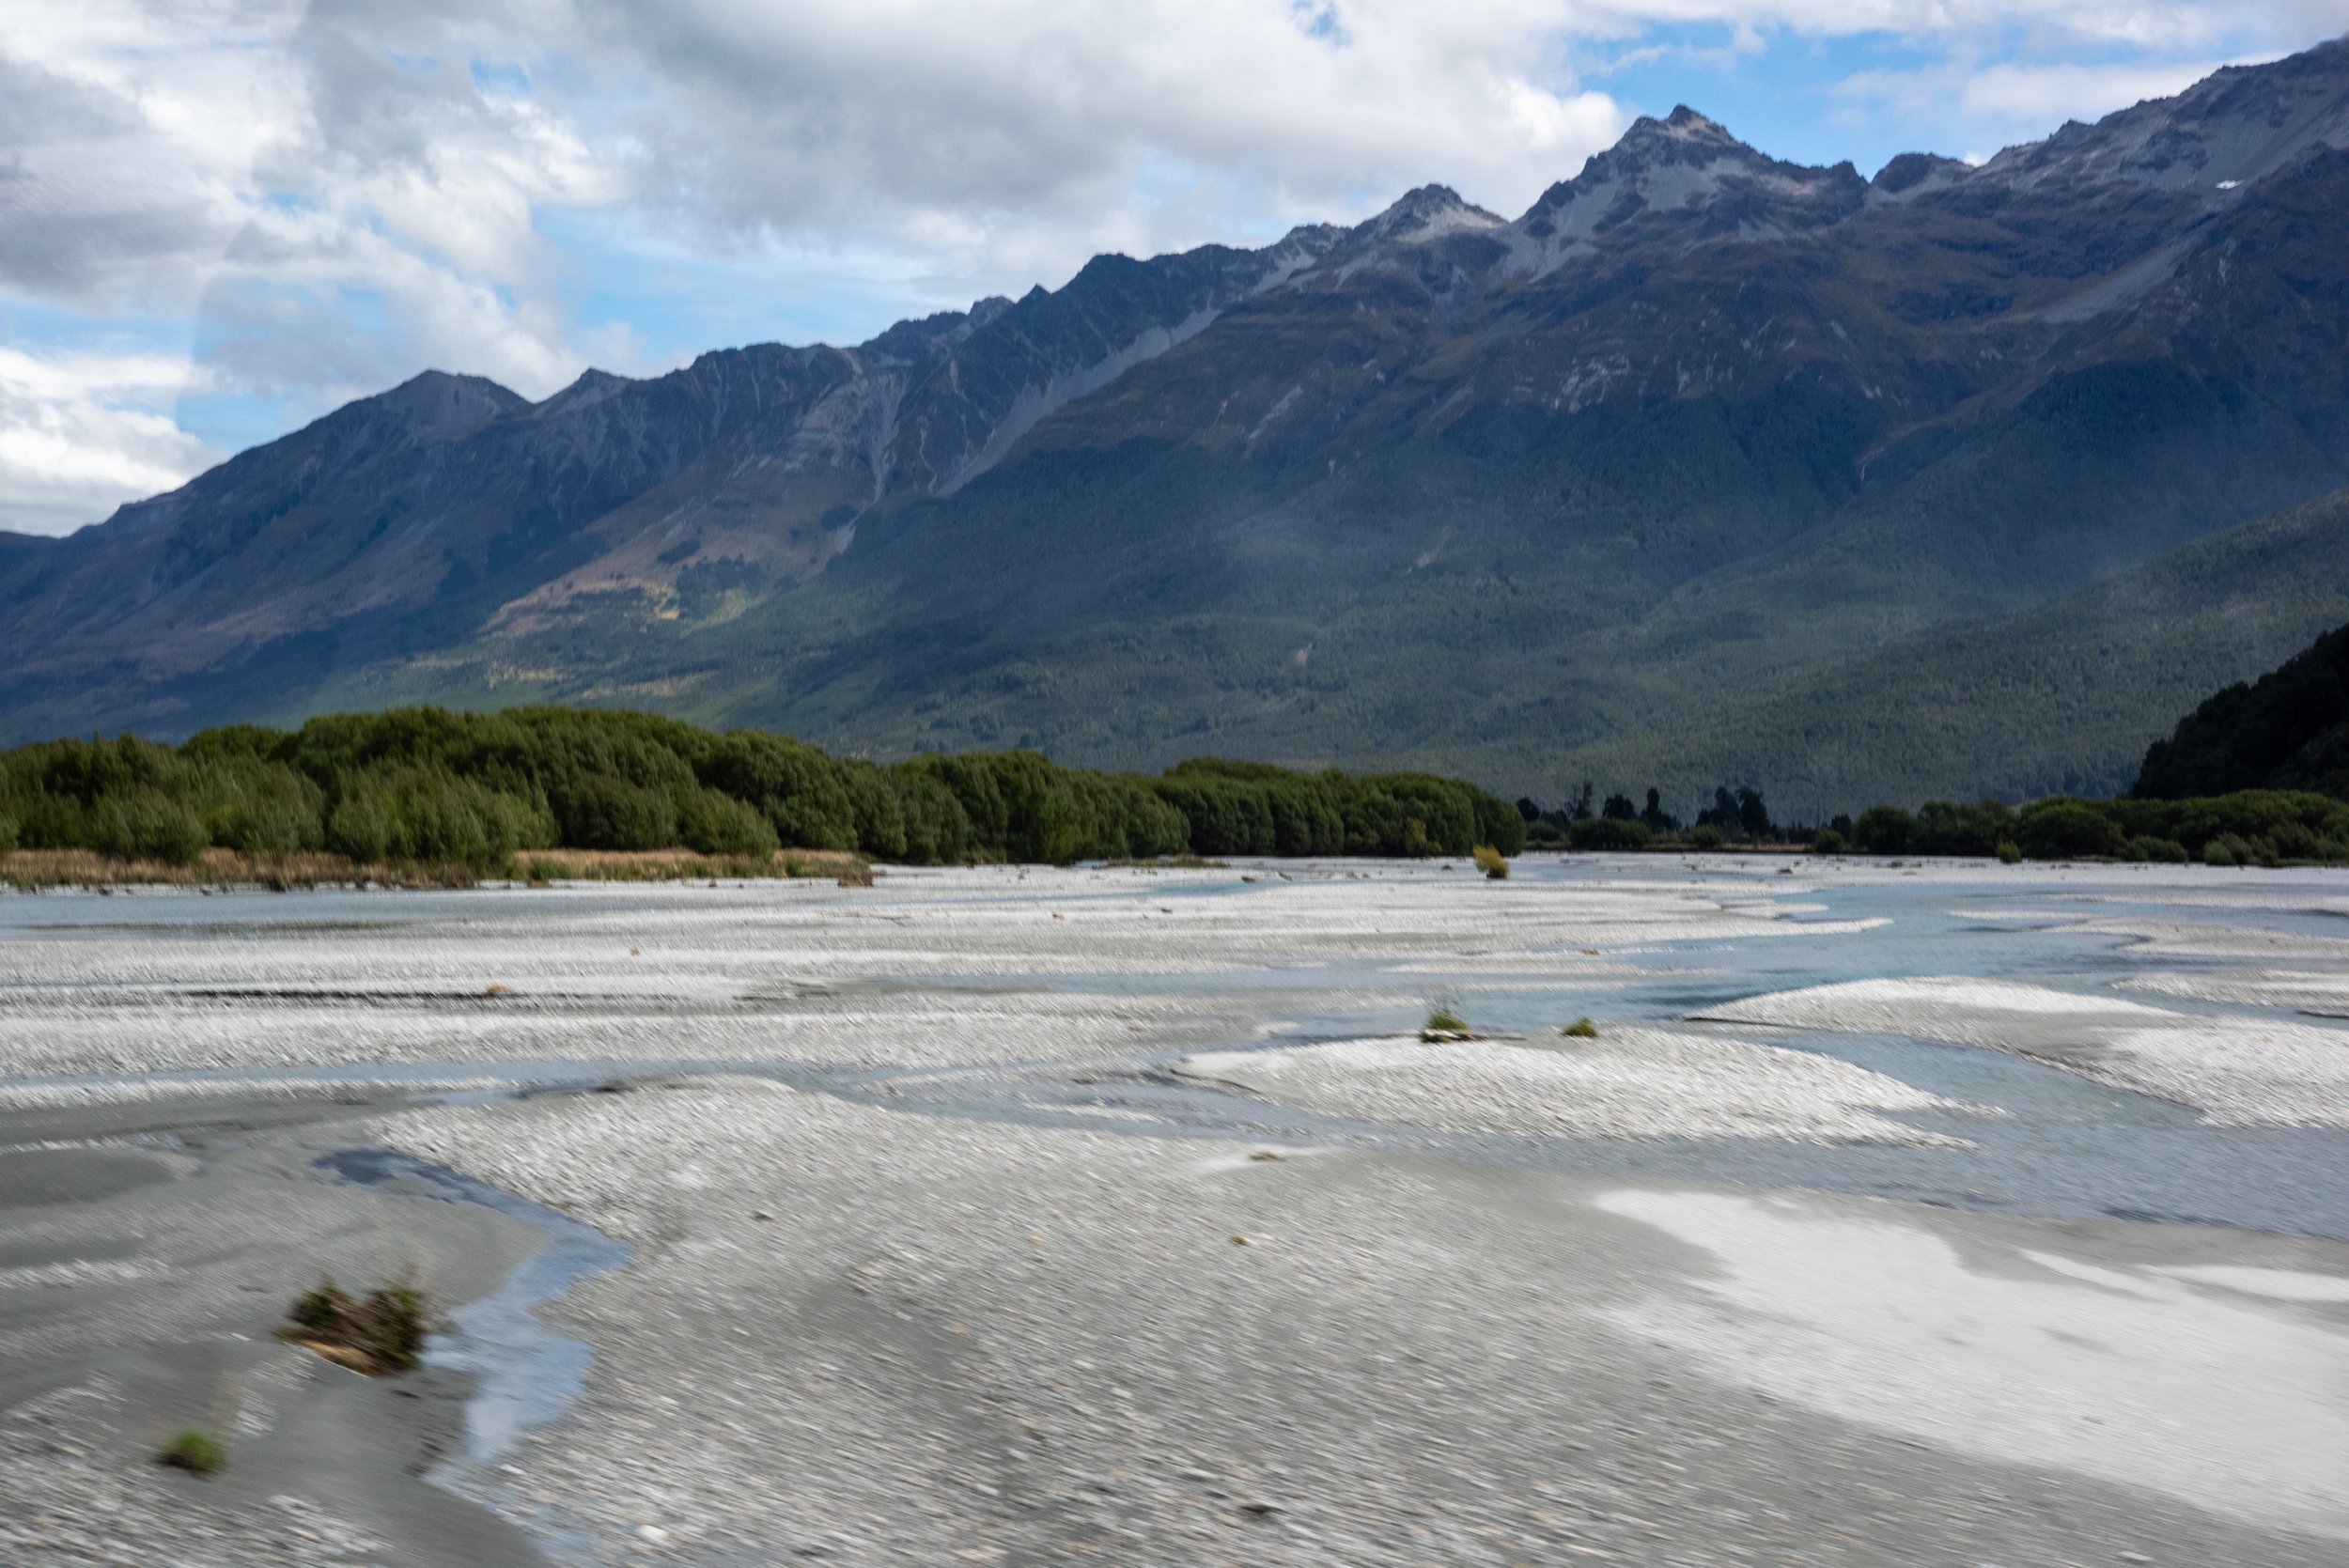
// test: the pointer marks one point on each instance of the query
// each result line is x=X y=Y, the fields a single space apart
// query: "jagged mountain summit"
x=1699 y=438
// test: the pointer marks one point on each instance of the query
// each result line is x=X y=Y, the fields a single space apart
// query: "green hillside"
x=2287 y=730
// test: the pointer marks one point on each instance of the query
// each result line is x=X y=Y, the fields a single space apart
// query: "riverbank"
x=232 y=871
x=147 y=1255
x=938 y=1255
x=892 y=1339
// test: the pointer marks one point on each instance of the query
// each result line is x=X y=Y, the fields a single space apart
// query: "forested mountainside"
x=1701 y=441
x=2287 y=730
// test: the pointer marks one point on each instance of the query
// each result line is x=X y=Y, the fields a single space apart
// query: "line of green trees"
x=473 y=789
x=2250 y=826
x=1737 y=813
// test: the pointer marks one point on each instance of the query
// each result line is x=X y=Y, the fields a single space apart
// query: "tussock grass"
x=195 y=1452
x=380 y=1334
x=1445 y=1023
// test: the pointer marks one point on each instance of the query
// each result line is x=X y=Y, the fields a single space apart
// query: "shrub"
x=272 y=822
x=2295 y=841
x=2161 y=850
x=379 y=1334
x=420 y=813
x=2061 y=830
x=147 y=826
x=797 y=788
x=1883 y=830
x=1706 y=836
x=938 y=829
x=8 y=833
x=1943 y=828
x=1606 y=832
x=195 y=1452
x=1442 y=1020
x=713 y=823
x=1581 y=1029
x=1827 y=841
x=2010 y=852
x=1491 y=861
x=603 y=812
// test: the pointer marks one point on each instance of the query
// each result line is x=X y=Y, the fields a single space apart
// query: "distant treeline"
x=2250 y=826
x=427 y=786
x=1739 y=814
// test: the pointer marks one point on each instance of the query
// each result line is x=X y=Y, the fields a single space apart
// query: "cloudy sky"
x=219 y=218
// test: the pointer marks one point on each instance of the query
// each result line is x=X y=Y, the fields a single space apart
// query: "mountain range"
x=1957 y=480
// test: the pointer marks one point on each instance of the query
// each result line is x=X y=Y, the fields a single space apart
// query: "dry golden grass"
x=29 y=870
x=673 y=865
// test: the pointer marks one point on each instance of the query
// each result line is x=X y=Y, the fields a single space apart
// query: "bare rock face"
x=1699 y=416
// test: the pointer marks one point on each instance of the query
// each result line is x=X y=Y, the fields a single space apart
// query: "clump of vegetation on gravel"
x=1581 y=1029
x=1491 y=861
x=194 y=1452
x=380 y=1334
x=1445 y=1023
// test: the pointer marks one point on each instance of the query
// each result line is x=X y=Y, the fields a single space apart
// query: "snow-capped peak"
x=1428 y=213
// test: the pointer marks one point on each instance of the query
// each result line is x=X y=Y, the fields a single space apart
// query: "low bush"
x=1581 y=1029
x=1883 y=830
x=1490 y=861
x=713 y=823
x=194 y=1451
x=1827 y=841
x=1608 y=833
x=2066 y=829
x=379 y=1334
x=1443 y=1022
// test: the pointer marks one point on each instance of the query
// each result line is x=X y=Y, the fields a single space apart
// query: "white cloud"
x=81 y=433
x=333 y=194
x=2036 y=95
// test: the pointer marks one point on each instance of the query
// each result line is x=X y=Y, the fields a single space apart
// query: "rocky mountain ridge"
x=1697 y=411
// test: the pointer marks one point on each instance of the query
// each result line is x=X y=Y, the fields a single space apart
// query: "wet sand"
x=147 y=1256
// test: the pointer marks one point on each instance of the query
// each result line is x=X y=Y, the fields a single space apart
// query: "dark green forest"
x=427 y=786
x=2257 y=776
x=2287 y=730
x=2249 y=827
